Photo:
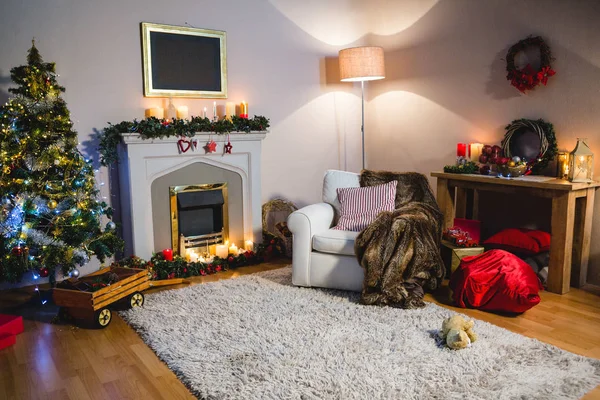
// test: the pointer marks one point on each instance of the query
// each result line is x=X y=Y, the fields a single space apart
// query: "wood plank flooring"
x=65 y=362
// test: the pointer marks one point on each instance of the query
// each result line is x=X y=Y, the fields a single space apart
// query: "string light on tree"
x=51 y=219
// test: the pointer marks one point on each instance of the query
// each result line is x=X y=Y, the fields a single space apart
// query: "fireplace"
x=148 y=168
x=199 y=216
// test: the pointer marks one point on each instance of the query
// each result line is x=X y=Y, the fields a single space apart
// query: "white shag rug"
x=258 y=337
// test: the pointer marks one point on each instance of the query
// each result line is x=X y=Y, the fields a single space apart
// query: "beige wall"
x=445 y=80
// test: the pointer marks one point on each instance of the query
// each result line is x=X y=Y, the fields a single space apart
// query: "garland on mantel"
x=154 y=128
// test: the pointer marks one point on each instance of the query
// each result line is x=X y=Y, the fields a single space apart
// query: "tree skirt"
x=258 y=337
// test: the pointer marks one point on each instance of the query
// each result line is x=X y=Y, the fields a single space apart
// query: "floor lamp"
x=360 y=64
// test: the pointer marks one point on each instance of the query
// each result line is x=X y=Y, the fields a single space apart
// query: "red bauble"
x=487 y=150
x=17 y=251
x=483 y=159
x=44 y=272
x=230 y=259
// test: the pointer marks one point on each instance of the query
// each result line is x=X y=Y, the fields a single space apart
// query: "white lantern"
x=581 y=163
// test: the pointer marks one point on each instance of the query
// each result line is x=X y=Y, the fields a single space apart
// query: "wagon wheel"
x=103 y=317
x=136 y=300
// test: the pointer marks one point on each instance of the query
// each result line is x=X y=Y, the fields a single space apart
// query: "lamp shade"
x=361 y=64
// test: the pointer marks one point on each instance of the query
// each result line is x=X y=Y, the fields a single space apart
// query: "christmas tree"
x=51 y=218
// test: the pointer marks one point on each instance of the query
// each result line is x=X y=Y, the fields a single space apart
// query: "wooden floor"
x=53 y=361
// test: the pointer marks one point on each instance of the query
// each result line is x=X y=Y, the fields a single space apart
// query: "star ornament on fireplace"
x=210 y=147
x=228 y=147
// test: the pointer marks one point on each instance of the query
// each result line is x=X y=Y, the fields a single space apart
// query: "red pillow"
x=524 y=242
x=360 y=206
x=495 y=281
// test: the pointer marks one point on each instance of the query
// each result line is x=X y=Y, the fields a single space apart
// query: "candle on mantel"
x=168 y=254
x=156 y=112
x=233 y=249
x=461 y=150
x=249 y=245
x=475 y=150
x=204 y=116
x=182 y=112
x=221 y=251
x=215 y=110
x=229 y=110
x=244 y=110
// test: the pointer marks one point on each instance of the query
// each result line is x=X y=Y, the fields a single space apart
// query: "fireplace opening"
x=199 y=216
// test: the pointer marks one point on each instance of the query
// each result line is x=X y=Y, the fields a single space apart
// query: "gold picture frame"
x=182 y=61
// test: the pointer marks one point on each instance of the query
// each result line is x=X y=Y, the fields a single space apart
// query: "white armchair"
x=324 y=257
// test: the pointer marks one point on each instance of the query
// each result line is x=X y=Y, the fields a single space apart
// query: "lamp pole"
x=362 y=127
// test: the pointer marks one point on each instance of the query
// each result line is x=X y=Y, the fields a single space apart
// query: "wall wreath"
x=527 y=78
x=531 y=140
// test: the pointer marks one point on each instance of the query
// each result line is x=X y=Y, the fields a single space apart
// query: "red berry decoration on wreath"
x=527 y=78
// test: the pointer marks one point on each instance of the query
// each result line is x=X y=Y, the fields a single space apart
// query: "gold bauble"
x=52 y=204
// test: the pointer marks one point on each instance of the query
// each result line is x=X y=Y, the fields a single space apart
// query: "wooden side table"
x=572 y=212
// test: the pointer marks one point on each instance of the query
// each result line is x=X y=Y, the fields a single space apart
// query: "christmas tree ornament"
x=44 y=272
x=210 y=147
x=111 y=226
x=74 y=273
x=228 y=146
x=52 y=204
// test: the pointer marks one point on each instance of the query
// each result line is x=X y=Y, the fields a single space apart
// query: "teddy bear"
x=457 y=332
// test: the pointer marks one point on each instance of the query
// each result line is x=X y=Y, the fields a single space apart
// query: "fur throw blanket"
x=400 y=250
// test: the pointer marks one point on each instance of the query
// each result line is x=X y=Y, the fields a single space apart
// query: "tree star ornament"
x=228 y=146
x=210 y=147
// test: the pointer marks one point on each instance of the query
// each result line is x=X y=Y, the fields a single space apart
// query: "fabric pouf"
x=495 y=281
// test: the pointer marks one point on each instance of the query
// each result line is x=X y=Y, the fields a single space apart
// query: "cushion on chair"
x=360 y=206
x=334 y=180
x=335 y=242
x=495 y=281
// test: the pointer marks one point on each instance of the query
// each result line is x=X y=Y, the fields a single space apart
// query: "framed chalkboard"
x=184 y=62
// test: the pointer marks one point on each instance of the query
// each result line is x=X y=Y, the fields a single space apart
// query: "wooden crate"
x=131 y=280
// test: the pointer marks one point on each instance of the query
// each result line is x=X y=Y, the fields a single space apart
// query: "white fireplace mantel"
x=144 y=160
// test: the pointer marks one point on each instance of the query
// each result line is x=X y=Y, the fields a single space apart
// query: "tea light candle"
x=475 y=150
x=156 y=112
x=229 y=110
x=233 y=249
x=168 y=254
x=182 y=112
x=461 y=150
x=193 y=256
x=221 y=251
x=249 y=245
x=244 y=110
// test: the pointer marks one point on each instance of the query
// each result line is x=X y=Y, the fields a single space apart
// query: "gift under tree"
x=51 y=219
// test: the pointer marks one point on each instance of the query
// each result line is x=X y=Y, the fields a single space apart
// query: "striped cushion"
x=360 y=206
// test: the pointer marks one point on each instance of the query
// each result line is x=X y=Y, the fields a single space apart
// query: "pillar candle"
x=475 y=150
x=182 y=112
x=249 y=245
x=221 y=251
x=233 y=249
x=168 y=254
x=157 y=112
x=214 y=110
x=244 y=110
x=229 y=110
x=461 y=150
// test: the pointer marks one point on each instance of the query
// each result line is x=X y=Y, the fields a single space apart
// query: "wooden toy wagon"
x=91 y=297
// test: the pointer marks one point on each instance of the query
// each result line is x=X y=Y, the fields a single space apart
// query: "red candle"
x=168 y=254
x=461 y=150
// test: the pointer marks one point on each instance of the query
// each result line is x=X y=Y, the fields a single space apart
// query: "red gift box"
x=10 y=326
x=470 y=226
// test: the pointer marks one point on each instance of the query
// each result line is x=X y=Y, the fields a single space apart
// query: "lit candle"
x=244 y=110
x=221 y=251
x=461 y=150
x=249 y=245
x=233 y=249
x=229 y=110
x=157 y=112
x=168 y=254
x=194 y=256
x=475 y=150
x=563 y=165
x=204 y=113
x=215 y=110
x=182 y=112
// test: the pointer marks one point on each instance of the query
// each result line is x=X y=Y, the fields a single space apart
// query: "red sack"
x=495 y=281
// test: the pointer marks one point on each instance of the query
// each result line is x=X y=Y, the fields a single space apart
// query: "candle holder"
x=581 y=162
x=562 y=165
